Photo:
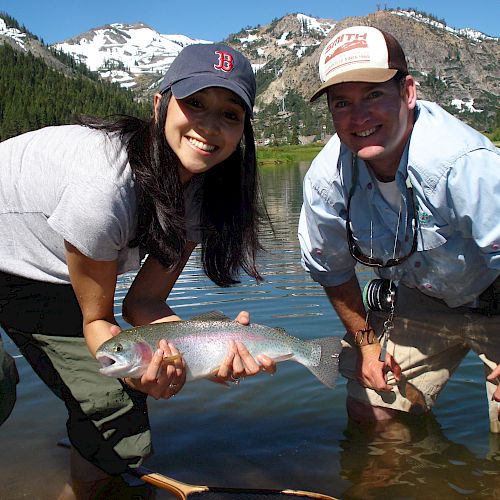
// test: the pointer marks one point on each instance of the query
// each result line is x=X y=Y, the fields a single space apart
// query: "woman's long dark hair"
x=231 y=208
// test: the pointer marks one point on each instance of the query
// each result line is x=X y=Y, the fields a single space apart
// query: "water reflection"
x=414 y=459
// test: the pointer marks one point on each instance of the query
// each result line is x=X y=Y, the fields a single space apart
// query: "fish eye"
x=119 y=348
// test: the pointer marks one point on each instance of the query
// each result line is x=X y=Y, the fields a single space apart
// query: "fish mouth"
x=105 y=360
x=112 y=366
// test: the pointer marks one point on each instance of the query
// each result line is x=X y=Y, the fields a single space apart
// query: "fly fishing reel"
x=380 y=295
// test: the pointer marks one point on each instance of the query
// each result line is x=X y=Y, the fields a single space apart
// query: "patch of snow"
x=283 y=40
x=301 y=51
x=465 y=106
x=249 y=39
x=257 y=67
x=467 y=32
x=310 y=23
x=303 y=48
x=475 y=35
x=16 y=35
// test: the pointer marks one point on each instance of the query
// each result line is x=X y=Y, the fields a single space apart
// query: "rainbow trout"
x=203 y=342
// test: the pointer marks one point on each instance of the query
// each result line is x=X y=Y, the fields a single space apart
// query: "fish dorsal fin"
x=211 y=316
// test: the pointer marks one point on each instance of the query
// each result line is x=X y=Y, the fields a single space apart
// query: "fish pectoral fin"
x=211 y=316
x=217 y=380
x=283 y=357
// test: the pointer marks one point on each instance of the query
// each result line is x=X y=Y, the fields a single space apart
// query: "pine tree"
x=32 y=95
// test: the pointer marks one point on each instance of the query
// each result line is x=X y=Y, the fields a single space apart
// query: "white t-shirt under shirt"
x=68 y=183
x=391 y=193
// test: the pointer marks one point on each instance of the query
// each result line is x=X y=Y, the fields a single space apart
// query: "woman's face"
x=204 y=129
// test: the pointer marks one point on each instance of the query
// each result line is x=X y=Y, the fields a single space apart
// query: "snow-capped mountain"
x=444 y=60
x=136 y=56
x=124 y=52
x=458 y=68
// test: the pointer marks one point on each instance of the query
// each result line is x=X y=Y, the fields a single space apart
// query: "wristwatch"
x=365 y=336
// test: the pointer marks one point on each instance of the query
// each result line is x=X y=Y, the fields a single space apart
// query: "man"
x=413 y=193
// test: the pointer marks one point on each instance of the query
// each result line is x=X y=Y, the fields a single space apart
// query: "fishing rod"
x=184 y=490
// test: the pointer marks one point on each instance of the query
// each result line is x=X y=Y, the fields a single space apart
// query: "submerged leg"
x=86 y=479
x=359 y=411
x=88 y=482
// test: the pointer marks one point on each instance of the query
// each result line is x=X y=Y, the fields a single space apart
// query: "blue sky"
x=57 y=20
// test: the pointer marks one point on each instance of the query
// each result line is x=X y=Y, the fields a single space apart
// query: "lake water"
x=274 y=432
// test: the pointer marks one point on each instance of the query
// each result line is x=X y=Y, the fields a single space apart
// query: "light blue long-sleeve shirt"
x=455 y=175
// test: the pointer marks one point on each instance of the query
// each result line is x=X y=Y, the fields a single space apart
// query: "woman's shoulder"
x=52 y=133
x=59 y=142
x=91 y=154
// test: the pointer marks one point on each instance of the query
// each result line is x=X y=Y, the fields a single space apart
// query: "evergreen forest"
x=33 y=95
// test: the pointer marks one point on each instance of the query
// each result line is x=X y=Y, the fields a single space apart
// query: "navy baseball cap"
x=202 y=65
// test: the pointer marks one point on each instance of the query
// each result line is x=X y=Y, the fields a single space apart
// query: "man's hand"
x=372 y=372
x=492 y=377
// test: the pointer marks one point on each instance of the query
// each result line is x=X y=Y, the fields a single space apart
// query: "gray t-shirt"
x=66 y=183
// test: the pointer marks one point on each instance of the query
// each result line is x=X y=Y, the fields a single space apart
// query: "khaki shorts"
x=429 y=341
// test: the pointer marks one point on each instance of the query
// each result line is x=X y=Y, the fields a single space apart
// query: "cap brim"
x=193 y=84
x=369 y=75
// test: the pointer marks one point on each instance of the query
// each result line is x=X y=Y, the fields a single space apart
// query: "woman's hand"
x=165 y=375
x=240 y=363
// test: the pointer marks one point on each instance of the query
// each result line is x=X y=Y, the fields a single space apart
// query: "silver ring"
x=236 y=380
x=172 y=386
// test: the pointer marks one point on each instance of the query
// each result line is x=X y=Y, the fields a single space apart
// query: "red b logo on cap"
x=225 y=63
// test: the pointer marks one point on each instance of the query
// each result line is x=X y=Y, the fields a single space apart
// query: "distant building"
x=306 y=139
x=262 y=142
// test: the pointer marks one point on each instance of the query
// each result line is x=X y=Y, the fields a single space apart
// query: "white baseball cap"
x=360 y=54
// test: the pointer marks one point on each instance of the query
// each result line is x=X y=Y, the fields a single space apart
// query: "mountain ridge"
x=458 y=68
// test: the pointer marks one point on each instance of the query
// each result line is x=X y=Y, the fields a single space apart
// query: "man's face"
x=374 y=120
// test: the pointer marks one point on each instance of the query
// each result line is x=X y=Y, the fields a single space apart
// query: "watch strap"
x=365 y=336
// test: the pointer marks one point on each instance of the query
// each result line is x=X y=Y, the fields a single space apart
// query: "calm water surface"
x=282 y=431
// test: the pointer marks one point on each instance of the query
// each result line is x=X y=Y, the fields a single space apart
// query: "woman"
x=82 y=204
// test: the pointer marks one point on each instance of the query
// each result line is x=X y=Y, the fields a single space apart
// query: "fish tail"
x=327 y=369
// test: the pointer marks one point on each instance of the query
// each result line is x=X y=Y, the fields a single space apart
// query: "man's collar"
x=366 y=175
